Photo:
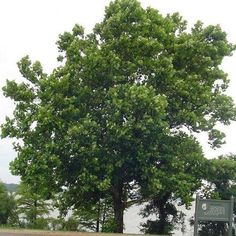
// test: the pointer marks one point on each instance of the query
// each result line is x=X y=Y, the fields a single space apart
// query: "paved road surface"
x=13 y=234
x=34 y=234
x=42 y=233
x=45 y=233
x=54 y=233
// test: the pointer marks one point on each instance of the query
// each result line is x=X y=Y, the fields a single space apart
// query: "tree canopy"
x=118 y=116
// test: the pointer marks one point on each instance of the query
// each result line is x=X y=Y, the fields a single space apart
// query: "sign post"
x=213 y=210
x=196 y=217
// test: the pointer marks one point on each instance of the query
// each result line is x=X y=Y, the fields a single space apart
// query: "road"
x=6 y=232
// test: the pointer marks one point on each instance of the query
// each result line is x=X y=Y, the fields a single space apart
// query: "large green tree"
x=100 y=123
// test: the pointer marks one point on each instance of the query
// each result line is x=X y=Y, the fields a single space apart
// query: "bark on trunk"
x=118 y=208
x=163 y=219
x=34 y=219
x=163 y=214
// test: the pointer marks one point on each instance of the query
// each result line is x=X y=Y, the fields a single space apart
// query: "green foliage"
x=211 y=228
x=154 y=227
x=221 y=185
x=97 y=217
x=116 y=119
x=94 y=215
x=7 y=206
x=71 y=224
x=183 y=168
x=32 y=209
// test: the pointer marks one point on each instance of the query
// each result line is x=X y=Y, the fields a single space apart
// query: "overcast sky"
x=31 y=27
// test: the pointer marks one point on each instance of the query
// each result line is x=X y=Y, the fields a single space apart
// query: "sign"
x=213 y=210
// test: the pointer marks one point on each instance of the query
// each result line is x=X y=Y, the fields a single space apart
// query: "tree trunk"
x=163 y=214
x=163 y=219
x=34 y=218
x=118 y=208
x=104 y=214
x=98 y=216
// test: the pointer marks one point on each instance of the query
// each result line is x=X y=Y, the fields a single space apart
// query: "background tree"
x=32 y=210
x=7 y=206
x=221 y=184
x=181 y=178
x=99 y=122
x=96 y=215
x=97 y=218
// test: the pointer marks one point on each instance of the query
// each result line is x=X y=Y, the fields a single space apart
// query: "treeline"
x=11 y=187
x=26 y=208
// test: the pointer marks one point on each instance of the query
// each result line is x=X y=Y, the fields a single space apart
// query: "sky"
x=31 y=27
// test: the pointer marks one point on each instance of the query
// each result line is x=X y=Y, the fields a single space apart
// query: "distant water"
x=132 y=221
